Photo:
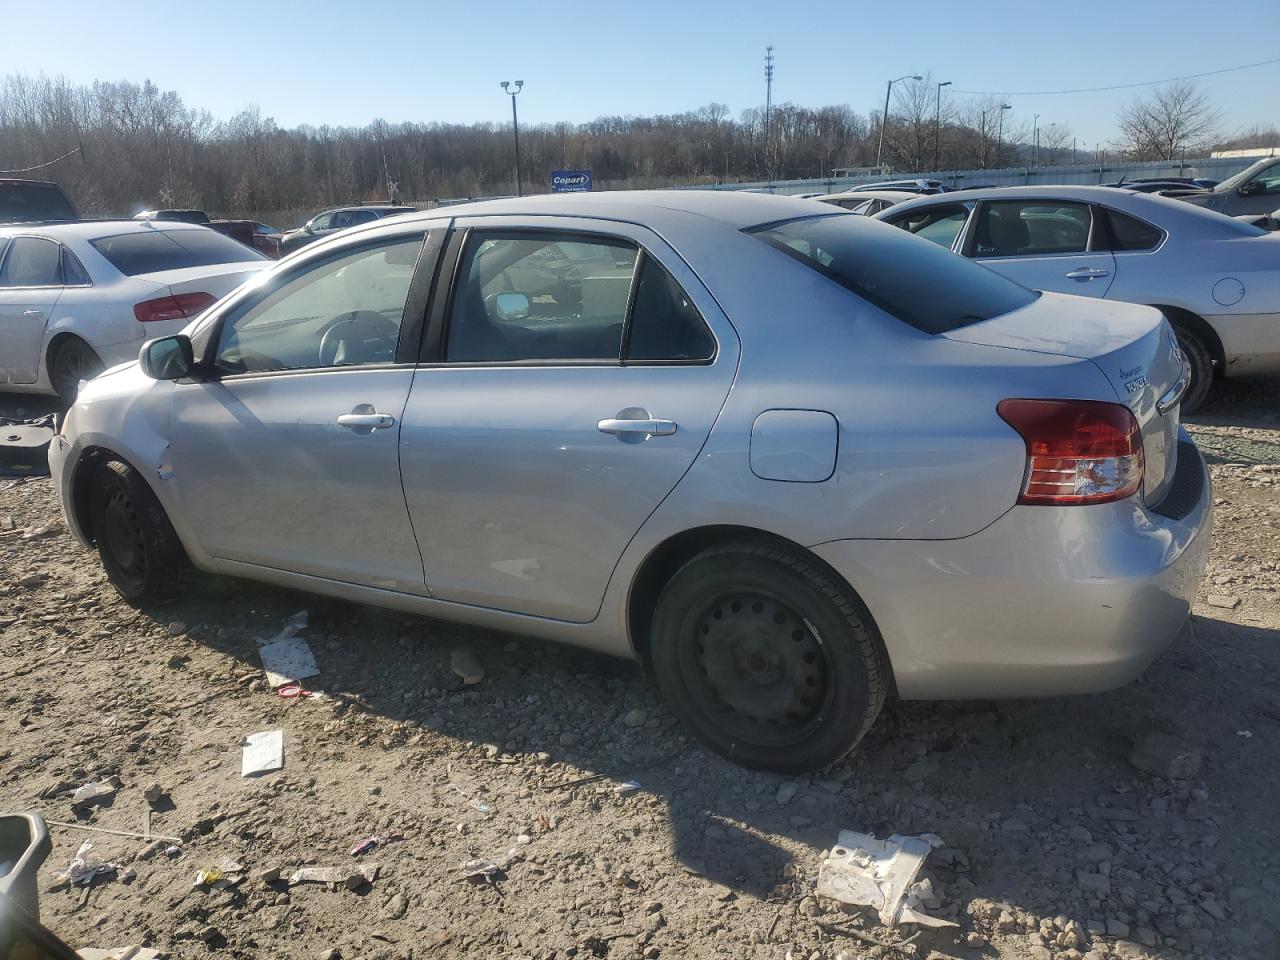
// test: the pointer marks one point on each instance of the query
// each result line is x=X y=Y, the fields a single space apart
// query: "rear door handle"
x=1088 y=273
x=366 y=421
x=33 y=314
x=651 y=427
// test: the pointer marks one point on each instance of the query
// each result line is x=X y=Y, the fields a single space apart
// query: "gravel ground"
x=1057 y=844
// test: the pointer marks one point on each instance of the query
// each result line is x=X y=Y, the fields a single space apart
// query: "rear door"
x=30 y=285
x=569 y=381
x=1053 y=245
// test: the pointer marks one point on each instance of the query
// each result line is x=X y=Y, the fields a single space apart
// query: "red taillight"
x=176 y=307
x=1078 y=451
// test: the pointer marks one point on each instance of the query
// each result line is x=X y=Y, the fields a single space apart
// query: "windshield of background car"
x=30 y=202
x=914 y=280
x=155 y=250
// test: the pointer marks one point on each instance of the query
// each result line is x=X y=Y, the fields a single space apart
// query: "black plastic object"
x=24 y=846
x=24 y=447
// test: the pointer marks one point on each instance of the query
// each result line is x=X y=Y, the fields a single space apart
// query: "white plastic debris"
x=880 y=874
x=84 y=866
x=627 y=787
x=118 y=953
x=263 y=752
x=286 y=657
x=320 y=875
x=91 y=793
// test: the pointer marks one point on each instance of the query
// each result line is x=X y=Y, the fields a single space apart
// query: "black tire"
x=767 y=658
x=72 y=361
x=142 y=555
x=1201 y=361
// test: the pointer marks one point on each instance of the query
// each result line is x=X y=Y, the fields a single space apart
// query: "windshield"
x=913 y=279
x=155 y=250
x=1247 y=173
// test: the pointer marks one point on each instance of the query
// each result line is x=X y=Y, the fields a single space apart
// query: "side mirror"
x=1251 y=189
x=167 y=358
x=511 y=306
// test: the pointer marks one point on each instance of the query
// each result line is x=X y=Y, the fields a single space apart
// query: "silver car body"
x=1219 y=270
x=494 y=498
x=98 y=307
x=867 y=203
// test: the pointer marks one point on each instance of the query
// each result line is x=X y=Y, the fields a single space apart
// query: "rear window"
x=28 y=202
x=154 y=250
x=914 y=280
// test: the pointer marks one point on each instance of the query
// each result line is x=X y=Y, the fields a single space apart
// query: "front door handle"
x=366 y=421
x=33 y=314
x=1088 y=273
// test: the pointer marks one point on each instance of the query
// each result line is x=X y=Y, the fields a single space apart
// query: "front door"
x=30 y=285
x=288 y=459
x=574 y=376
x=1043 y=244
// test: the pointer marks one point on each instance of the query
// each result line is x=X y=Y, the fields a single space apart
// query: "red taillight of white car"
x=1078 y=451
x=179 y=306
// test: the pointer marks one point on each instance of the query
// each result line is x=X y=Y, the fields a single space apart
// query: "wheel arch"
x=662 y=562
x=82 y=484
x=1198 y=325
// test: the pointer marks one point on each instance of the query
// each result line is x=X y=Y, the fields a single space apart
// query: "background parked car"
x=1255 y=189
x=1215 y=278
x=78 y=297
x=867 y=202
x=596 y=430
x=918 y=186
x=174 y=216
x=1181 y=185
x=331 y=221
x=34 y=201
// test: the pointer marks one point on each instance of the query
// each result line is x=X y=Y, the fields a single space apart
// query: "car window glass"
x=360 y=216
x=1270 y=179
x=342 y=312
x=73 y=271
x=665 y=325
x=544 y=297
x=322 y=222
x=941 y=224
x=32 y=262
x=1130 y=233
x=152 y=250
x=1011 y=228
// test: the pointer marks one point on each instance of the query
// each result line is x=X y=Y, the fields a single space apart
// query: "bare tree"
x=1173 y=120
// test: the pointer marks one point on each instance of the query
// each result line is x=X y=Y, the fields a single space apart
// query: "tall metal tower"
x=768 y=106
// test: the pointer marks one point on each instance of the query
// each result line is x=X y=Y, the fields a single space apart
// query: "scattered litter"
x=488 y=870
x=119 y=953
x=479 y=805
x=226 y=874
x=626 y=788
x=875 y=873
x=1244 y=733
x=575 y=783
x=92 y=793
x=286 y=657
x=295 y=691
x=263 y=752
x=336 y=876
x=464 y=664
x=32 y=533
x=84 y=867
x=378 y=839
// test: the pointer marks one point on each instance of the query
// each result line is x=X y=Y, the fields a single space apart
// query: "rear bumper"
x=1045 y=601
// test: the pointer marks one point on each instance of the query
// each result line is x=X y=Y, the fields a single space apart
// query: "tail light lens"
x=179 y=306
x=1078 y=451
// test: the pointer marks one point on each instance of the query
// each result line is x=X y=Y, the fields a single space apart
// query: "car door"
x=569 y=381
x=1043 y=244
x=287 y=457
x=30 y=285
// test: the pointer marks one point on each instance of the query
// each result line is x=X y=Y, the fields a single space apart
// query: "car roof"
x=368 y=206
x=734 y=208
x=898 y=195
x=95 y=229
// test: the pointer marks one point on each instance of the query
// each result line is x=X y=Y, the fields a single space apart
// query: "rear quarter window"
x=151 y=251
x=909 y=278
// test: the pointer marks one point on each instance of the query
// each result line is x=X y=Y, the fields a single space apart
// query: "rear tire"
x=73 y=361
x=140 y=552
x=767 y=659
x=1201 y=361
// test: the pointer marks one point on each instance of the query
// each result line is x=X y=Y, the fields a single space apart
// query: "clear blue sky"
x=345 y=63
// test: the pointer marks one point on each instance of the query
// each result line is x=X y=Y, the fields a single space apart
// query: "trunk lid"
x=1133 y=346
x=217 y=279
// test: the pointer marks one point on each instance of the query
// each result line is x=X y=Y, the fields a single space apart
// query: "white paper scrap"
x=878 y=873
x=263 y=752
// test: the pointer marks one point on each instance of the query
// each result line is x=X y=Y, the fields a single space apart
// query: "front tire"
x=73 y=361
x=140 y=552
x=1201 y=361
x=767 y=658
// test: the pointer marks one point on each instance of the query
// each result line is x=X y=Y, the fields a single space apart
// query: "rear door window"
x=32 y=262
x=1014 y=228
x=919 y=283
x=940 y=224
x=153 y=250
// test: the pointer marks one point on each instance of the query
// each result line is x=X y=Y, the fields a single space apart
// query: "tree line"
x=130 y=146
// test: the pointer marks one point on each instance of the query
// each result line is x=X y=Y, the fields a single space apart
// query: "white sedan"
x=1216 y=279
x=78 y=297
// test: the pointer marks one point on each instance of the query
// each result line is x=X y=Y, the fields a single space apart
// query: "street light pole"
x=515 y=124
x=885 y=119
x=1035 y=130
x=937 y=125
x=1000 y=132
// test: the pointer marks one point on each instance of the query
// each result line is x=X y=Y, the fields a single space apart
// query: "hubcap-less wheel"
x=123 y=538
x=760 y=669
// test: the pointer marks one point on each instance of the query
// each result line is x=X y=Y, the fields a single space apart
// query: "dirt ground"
x=1057 y=845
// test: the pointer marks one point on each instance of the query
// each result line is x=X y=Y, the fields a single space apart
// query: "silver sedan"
x=790 y=459
x=1215 y=278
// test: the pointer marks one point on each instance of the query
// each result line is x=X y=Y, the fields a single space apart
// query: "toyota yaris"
x=790 y=460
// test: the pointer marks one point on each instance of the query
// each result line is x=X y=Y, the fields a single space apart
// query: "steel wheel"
x=140 y=552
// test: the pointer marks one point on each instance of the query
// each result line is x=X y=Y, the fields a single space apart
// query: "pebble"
x=465 y=664
x=153 y=793
x=1093 y=882
x=633 y=718
x=1222 y=601
x=786 y=793
x=177 y=628
x=974 y=939
x=1079 y=834
x=396 y=907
